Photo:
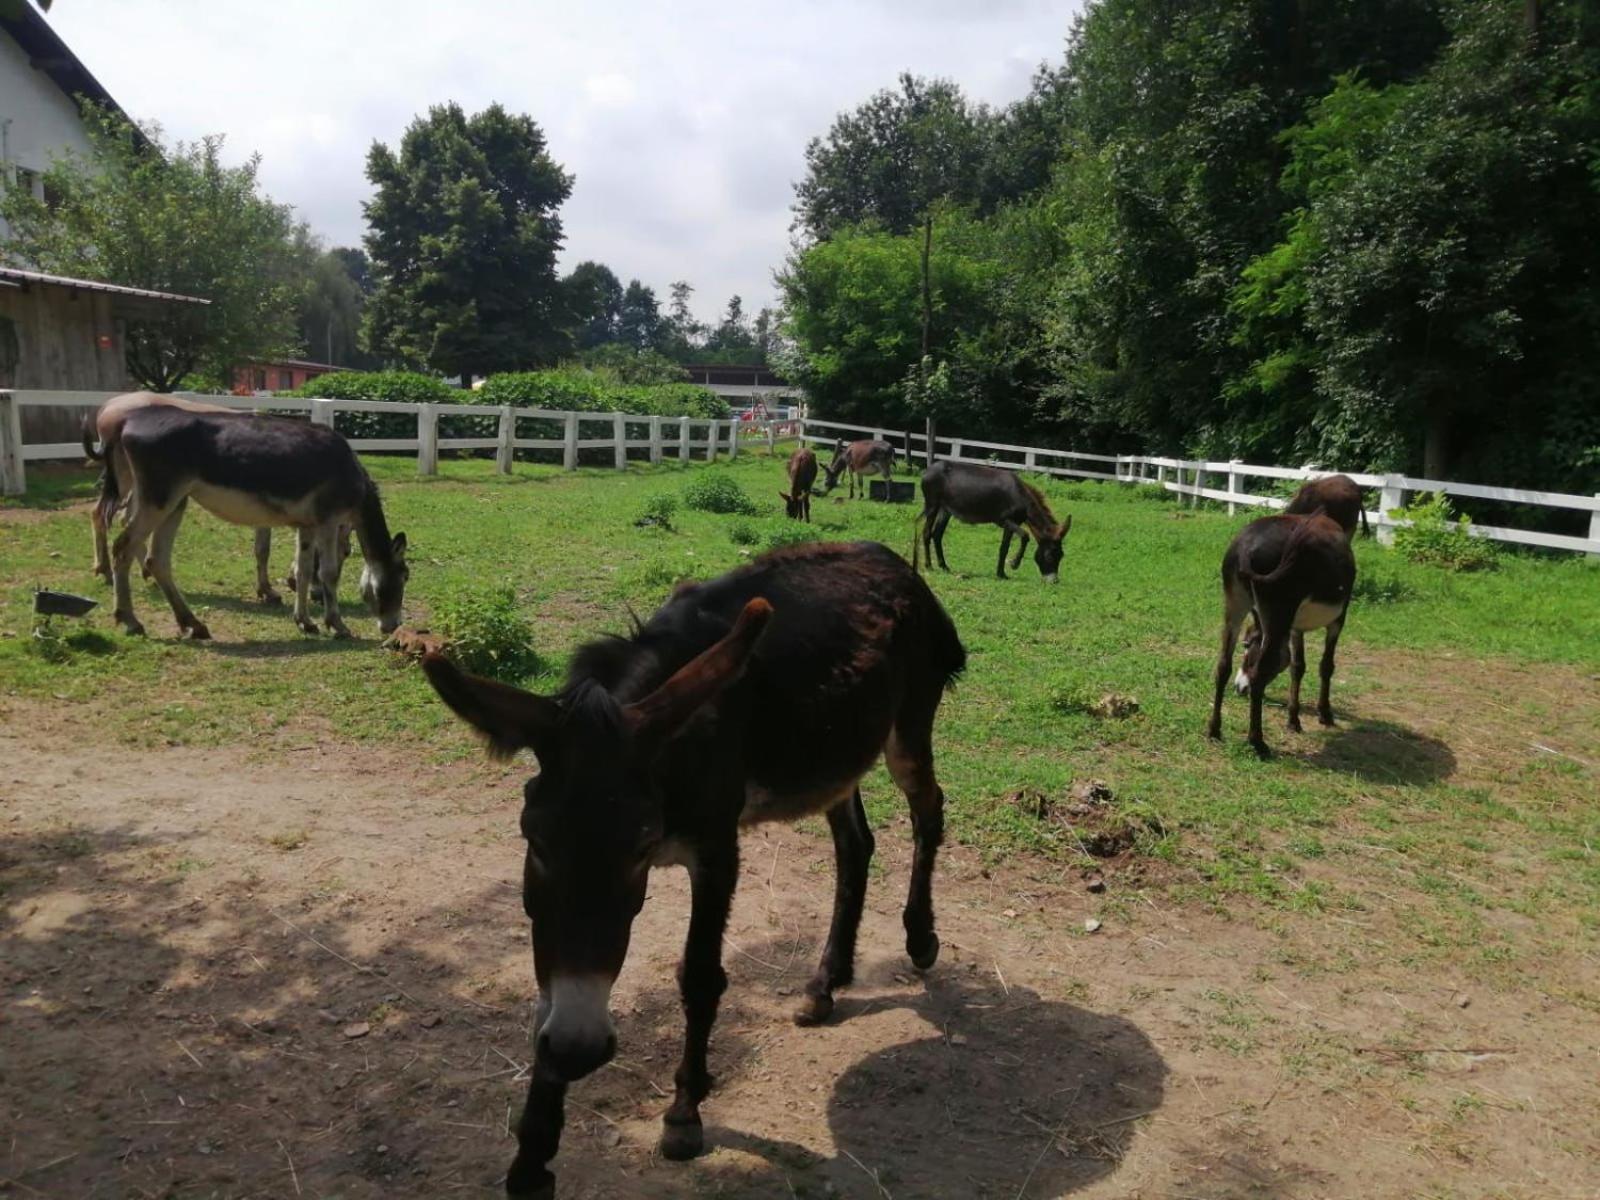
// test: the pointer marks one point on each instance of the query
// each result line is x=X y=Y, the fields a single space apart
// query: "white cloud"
x=685 y=125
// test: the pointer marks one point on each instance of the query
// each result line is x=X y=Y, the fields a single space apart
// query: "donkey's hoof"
x=1295 y=726
x=923 y=953
x=681 y=1141
x=813 y=1010
x=1326 y=720
x=530 y=1183
x=130 y=624
x=308 y=626
x=342 y=632
x=199 y=633
x=1214 y=732
x=270 y=598
x=1261 y=749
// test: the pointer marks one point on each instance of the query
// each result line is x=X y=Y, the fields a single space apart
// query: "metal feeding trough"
x=61 y=604
x=895 y=491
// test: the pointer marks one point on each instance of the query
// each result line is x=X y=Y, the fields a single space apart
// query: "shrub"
x=742 y=533
x=658 y=512
x=1439 y=537
x=632 y=366
x=716 y=493
x=394 y=387
x=791 y=533
x=486 y=634
x=1376 y=588
x=582 y=390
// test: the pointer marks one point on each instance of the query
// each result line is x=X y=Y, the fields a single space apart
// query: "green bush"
x=1377 y=588
x=393 y=387
x=714 y=492
x=743 y=533
x=658 y=512
x=486 y=634
x=1439 y=537
x=791 y=533
x=582 y=390
x=632 y=366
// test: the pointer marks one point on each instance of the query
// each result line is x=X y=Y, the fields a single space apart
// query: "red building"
x=280 y=375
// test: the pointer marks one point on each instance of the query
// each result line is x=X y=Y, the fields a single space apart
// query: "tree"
x=331 y=309
x=639 y=323
x=731 y=340
x=683 y=335
x=463 y=234
x=595 y=295
x=170 y=218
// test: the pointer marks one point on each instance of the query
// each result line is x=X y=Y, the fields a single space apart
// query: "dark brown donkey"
x=860 y=459
x=981 y=495
x=802 y=478
x=259 y=471
x=1295 y=574
x=1338 y=496
x=652 y=755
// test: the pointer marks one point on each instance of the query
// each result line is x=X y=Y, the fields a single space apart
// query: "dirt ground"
x=303 y=971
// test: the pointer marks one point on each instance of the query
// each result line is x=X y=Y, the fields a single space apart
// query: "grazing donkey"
x=259 y=471
x=1337 y=495
x=1296 y=574
x=860 y=459
x=802 y=478
x=651 y=755
x=981 y=495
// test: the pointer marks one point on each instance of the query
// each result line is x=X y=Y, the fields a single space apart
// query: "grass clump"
x=714 y=492
x=486 y=634
x=1440 y=538
x=790 y=533
x=658 y=513
x=743 y=533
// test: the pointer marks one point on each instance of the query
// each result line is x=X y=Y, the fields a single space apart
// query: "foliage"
x=1439 y=537
x=716 y=492
x=594 y=298
x=173 y=218
x=486 y=633
x=329 y=319
x=658 y=512
x=599 y=390
x=463 y=232
x=631 y=366
x=393 y=387
x=743 y=533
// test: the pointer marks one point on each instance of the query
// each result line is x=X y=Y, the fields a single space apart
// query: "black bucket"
x=61 y=604
x=895 y=491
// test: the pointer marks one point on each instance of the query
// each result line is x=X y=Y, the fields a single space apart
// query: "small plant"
x=486 y=634
x=716 y=493
x=1439 y=537
x=1372 y=588
x=790 y=534
x=743 y=533
x=658 y=513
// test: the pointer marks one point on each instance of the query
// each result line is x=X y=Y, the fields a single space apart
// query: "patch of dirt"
x=191 y=941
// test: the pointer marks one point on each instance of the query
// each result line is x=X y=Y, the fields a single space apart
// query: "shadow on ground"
x=1384 y=752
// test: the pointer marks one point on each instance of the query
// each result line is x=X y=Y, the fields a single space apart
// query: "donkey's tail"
x=916 y=539
x=88 y=441
x=1366 y=529
x=1290 y=553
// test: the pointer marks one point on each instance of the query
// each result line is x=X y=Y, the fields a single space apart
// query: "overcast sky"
x=684 y=123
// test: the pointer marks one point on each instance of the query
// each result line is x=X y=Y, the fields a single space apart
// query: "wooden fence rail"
x=648 y=436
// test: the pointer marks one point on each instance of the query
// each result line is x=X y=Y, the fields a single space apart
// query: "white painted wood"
x=48 y=451
x=1233 y=486
x=322 y=412
x=1393 y=497
x=733 y=439
x=683 y=439
x=1594 y=530
x=655 y=441
x=428 y=439
x=619 y=435
x=13 y=478
x=505 y=452
x=569 y=449
x=469 y=443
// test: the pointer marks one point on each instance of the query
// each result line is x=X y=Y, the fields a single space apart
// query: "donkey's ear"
x=1066 y=525
x=785 y=497
x=398 y=545
x=667 y=709
x=509 y=718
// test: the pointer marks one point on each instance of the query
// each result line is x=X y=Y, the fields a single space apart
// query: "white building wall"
x=37 y=119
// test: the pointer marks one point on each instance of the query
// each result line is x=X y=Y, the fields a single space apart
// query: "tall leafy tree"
x=464 y=230
x=594 y=294
x=174 y=218
x=331 y=308
x=639 y=322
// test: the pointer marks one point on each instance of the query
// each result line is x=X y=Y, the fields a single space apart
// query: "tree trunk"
x=1530 y=16
x=1436 y=444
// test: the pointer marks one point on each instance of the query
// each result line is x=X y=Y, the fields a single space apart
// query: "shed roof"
x=48 y=53
x=17 y=276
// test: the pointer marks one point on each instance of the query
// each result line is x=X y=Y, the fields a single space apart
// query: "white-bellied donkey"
x=262 y=472
x=860 y=459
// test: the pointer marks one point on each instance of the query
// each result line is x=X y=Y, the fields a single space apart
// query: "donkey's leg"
x=264 y=591
x=304 y=565
x=143 y=520
x=909 y=756
x=852 y=851
x=1235 y=608
x=701 y=982
x=328 y=564
x=102 y=556
x=161 y=567
x=538 y=1137
x=1022 y=548
x=938 y=537
x=1272 y=647
x=1324 y=696
x=1297 y=672
x=1005 y=545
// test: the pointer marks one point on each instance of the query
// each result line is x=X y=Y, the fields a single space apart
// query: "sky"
x=684 y=124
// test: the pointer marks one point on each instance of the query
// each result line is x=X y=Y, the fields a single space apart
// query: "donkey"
x=259 y=471
x=1337 y=495
x=860 y=459
x=1296 y=574
x=802 y=478
x=981 y=495
x=651 y=755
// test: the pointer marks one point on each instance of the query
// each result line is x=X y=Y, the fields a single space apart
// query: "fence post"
x=506 y=452
x=1233 y=485
x=1391 y=497
x=655 y=441
x=711 y=440
x=619 y=435
x=1199 y=482
x=322 y=412
x=733 y=439
x=569 y=451
x=772 y=438
x=1594 y=529
x=1029 y=461
x=427 y=439
x=955 y=447
x=683 y=439
x=13 y=479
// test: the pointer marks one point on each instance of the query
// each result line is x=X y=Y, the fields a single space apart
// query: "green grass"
x=1136 y=614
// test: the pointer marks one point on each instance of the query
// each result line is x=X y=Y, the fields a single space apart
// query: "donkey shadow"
x=1007 y=1095
x=1384 y=752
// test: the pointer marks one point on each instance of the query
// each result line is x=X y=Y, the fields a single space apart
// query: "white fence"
x=1190 y=477
x=684 y=438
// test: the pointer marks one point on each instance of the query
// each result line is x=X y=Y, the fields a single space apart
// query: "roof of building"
x=48 y=53
x=302 y=363
x=16 y=275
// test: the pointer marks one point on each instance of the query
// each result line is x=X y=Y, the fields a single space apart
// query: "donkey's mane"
x=1040 y=519
x=374 y=529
